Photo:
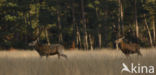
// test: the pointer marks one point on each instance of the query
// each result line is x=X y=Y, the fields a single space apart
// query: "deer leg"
x=128 y=57
x=41 y=56
x=47 y=56
x=139 y=53
x=58 y=56
x=65 y=56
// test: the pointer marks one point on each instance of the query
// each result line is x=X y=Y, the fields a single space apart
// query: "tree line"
x=85 y=24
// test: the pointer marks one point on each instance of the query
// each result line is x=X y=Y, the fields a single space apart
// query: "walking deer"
x=128 y=48
x=47 y=50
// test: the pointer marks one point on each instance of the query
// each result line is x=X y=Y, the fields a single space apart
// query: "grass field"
x=99 y=62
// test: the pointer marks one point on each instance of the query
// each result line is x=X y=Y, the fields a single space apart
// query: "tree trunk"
x=78 y=39
x=121 y=16
x=29 y=18
x=74 y=24
x=85 y=37
x=60 y=38
x=91 y=40
x=136 y=21
x=37 y=12
x=154 y=34
x=149 y=32
x=46 y=34
x=99 y=37
x=86 y=41
x=119 y=24
x=99 y=33
x=26 y=22
x=76 y=32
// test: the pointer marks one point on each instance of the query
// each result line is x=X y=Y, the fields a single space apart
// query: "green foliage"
x=20 y=20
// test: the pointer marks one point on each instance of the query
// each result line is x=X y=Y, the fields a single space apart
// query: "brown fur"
x=128 y=48
x=47 y=50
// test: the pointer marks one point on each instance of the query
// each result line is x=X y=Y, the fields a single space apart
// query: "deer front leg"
x=58 y=56
x=47 y=56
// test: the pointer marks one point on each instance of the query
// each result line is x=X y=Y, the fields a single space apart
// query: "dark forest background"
x=85 y=24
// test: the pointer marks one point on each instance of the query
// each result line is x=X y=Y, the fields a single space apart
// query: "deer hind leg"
x=139 y=53
x=65 y=56
x=60 y=53
x=41 y=56
x=128 y=57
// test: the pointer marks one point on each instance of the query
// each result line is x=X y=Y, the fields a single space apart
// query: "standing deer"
x=47 y=50
x=128 y=48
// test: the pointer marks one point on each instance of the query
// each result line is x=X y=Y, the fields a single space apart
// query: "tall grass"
x=99 y=62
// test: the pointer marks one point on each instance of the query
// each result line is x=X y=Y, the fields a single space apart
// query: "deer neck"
x=121 y=44
x=37 y=45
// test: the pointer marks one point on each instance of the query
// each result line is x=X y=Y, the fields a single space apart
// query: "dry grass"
x=99 y=62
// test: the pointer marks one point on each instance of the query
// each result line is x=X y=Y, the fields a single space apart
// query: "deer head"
x=37 y=38
x=119 y=41
x=34 y=42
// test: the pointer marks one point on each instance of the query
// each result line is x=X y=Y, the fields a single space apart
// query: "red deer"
x=128 y=48
x=47 y=50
